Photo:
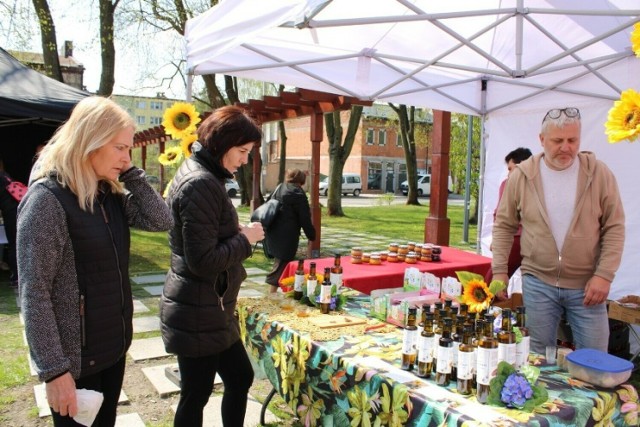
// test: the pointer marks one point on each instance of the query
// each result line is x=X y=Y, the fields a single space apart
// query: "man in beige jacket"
x=573 y=235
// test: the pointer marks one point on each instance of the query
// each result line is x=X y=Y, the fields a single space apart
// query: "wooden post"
x=161 y=170
x=255 y=183
x=317 y=122
x=437 y=225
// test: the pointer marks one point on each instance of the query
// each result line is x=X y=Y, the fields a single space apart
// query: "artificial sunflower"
x=186 y=144
x=623 y=121
x=635 y=39
x=180 y=120
x=171 y=156
x=476 y=294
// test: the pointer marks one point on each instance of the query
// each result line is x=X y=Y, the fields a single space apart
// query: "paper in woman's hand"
x=89 y=402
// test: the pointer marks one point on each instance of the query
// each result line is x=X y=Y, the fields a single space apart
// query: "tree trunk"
x=407 y=131
x=216 y=100
x=48 y=37
x=338 y=154
x=107 y=48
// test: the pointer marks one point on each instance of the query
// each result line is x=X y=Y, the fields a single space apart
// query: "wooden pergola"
x=303 y=102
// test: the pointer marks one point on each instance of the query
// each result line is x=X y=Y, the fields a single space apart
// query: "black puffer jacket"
x=284 y=233
x=200 y=292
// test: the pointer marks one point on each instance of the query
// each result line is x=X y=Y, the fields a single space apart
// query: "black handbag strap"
x=274 y=192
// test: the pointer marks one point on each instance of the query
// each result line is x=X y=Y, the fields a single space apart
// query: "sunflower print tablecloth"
x=351 y=377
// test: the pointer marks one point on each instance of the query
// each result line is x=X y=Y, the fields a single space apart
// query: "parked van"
x=424 y=185
x=351 y=184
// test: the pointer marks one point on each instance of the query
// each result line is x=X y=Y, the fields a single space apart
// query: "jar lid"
x=599 y=360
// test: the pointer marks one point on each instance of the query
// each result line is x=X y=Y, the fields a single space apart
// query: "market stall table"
x=342 y=376
x=366 y=277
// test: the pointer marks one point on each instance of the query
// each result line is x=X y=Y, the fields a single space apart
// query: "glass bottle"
x=522 y=348
x=298 y=280
x=507 y=339
x=442 y=313
x=457 y=340
x=445 y=354
x=426 y=347
x=466 y=362
x=408 y=341
x=463 y=309
x=448 y=304
x=312 y=282
x=336 y=273
x=487 y=363
x=325 y=292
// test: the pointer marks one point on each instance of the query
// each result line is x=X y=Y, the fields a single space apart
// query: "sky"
x=142 y=60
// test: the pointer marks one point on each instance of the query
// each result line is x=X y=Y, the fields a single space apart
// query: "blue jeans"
x=545 y=305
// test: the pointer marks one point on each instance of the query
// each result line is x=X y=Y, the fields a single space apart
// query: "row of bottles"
x=465 y=350
x=332 y=276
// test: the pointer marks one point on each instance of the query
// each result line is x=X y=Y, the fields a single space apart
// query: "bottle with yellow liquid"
x=487 y=362
x=507 y=339
x=466 y=362
x=426 y=347
x=445 y=354
x=409 y=340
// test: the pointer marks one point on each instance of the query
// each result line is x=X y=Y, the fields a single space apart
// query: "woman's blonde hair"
x=94 y=122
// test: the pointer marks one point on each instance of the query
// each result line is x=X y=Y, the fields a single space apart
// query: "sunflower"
x=186 y=143
x=476 y=294
x=171 y=156
x=624 y=118
x=635 y=39
x=180 y=120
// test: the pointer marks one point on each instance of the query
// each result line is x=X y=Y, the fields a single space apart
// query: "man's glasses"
x=555 y=113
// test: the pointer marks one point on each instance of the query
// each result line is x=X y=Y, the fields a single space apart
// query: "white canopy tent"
x=507 y=61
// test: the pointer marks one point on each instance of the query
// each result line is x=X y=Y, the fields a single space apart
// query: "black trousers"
x=196 y=378
x=109 y=382
x=276 y=271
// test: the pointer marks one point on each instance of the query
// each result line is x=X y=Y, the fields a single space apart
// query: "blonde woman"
x=73 y=250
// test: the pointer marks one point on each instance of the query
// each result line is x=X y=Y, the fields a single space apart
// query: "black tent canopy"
x=32 y=106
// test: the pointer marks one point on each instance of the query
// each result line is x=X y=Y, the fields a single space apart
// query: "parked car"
x=424 y=185
x=351 y=183
x=232 y=187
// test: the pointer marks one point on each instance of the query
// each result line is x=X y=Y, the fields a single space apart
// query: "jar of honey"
x=392 y=257
x=356 y=251
x=411 y=258
x=383 y=255
x=375 y=260
x=403 y=249
x=365 y=257
x=393 y=247
x=411 y=246
x=356 y=259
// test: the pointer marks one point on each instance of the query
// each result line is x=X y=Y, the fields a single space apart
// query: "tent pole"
x=483 y=97
x=189 y=86
x=467 y=180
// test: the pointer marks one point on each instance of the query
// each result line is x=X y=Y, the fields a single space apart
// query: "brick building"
x=72 y=70
x=377 y=154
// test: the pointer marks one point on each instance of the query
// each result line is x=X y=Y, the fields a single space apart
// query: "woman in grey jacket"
x=208 y=246
x=73 y=256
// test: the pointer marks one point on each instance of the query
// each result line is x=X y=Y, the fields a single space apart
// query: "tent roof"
x=468 y=56
x=26 y=94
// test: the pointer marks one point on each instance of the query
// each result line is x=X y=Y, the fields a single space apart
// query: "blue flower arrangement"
x=518 y=390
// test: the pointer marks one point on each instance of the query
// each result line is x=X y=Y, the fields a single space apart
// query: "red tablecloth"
x=366 y=278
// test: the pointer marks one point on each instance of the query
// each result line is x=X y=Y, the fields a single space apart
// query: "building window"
x=374 y=179
x=141 y=120
x=370 y=136
x=156 y=105
x=141 y=104
x=382 y=137
x=155 y=121
x=398 y=139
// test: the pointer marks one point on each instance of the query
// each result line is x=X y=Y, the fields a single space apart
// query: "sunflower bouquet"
x=180 y=122
x=623 y=121
x=476 y=293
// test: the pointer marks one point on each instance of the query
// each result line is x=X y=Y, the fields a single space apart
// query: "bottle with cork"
x=325 y=292
x=298 y=281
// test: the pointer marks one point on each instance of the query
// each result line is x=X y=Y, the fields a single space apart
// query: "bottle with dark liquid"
x=312 y=282
x=487 y=363
x=507 y=339
x=409 y=340
x=442 y=313
x=426 y=347
x=445 y=354
x=325 y=292
x=336 y=273
x=298 y=280
x=466 y=362
x=463 y=309
x=522 y=348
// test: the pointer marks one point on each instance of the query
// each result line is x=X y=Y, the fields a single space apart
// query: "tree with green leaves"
x=458 y=157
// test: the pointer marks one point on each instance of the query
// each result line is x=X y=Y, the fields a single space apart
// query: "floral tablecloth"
x=352 y=378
